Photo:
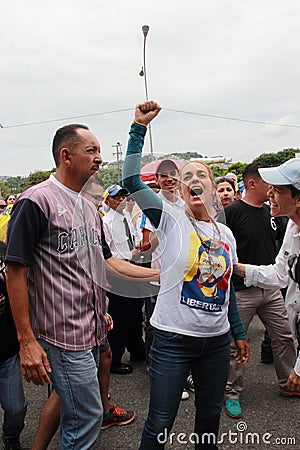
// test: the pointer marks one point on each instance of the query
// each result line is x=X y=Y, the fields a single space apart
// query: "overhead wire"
x=211 y=116
x=40 y=122
x=237 y=119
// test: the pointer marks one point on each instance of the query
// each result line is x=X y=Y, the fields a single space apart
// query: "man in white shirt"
x=284 y=195
x=125 y=305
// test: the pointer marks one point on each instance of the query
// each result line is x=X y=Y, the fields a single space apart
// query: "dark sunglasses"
x=118 y=196
x=294 y=260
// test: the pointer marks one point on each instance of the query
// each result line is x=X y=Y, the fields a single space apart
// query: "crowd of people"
x=193 y=256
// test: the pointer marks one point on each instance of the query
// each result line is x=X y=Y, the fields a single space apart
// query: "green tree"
x=275 y=159
x=218 y=171
x=237 y=168
x=13 y=184
x=35 y=178
x=186 y=155
x=4 y=189
x=109 y=176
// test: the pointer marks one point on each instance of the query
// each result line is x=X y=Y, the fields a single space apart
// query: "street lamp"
x=118 y=154
x=143 y=73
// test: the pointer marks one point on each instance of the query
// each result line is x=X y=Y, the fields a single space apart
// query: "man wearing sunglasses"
x=284 y=196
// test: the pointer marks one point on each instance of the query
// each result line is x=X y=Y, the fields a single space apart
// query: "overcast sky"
x=68 y=58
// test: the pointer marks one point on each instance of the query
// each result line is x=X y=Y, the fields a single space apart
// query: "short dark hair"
x=225 y=179
x=7 y=197
x=295 y=192
x=65 y=137
x=165 y=162
x=252 y=171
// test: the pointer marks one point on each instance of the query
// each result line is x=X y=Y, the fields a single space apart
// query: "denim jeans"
x=74 y=377
x=172 y=356
x=12 y=397
x=150 y=303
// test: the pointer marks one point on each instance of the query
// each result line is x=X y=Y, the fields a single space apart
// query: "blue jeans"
x=150 y=303
x=74 y=377
x=12 y=397
x=172 y=356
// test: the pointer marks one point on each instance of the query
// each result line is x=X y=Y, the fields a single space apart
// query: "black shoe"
x=121 y=369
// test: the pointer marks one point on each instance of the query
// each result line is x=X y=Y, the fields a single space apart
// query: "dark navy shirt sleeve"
x=25 y=228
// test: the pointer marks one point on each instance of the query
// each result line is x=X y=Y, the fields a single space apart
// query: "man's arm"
x=149 y=242
x=239 y=269
x=34 y=362
x=118 y=267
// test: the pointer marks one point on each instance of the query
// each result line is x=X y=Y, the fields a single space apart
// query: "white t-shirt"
x=156 y=254
x=194 y=294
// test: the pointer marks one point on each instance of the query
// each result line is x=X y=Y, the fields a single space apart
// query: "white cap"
x=287 y=173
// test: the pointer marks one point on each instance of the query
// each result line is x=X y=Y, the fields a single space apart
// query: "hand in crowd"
x=239 y=269
x=34 y=363
x=145 y=112
x=110 y=323
x=293 y=381
x=242 y=353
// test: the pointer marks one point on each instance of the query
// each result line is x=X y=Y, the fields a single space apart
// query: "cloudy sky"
x=66 y=58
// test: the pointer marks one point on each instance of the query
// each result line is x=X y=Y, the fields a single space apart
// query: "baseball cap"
x=287 y=173
x=166 y=163
x=113 y=190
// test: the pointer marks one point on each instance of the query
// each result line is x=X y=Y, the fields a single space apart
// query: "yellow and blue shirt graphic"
x=207 y=274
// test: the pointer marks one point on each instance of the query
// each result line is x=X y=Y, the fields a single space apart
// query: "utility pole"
x=118 y=154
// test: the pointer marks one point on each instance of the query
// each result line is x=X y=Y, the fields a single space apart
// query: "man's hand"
x=145 y=112
x=242 y=353
x=135 y=254
x=293 y=381
x=34 y=363
x=110 y=323
x=239 y=269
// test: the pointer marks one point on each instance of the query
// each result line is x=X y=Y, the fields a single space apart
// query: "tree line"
x=110 y=176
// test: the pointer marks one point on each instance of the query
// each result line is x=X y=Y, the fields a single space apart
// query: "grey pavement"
x=269 y=421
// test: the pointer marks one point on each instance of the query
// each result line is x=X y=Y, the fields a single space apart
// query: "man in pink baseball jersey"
x=56 y=278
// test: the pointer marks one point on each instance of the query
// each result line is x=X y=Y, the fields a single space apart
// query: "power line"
x=212 y=116
x=65 y=118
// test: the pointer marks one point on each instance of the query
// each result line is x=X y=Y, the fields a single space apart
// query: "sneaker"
x=185 y=395
x=233 y=408
x=286 y=392
x=11 y=443
x=190 y=383
x=117 y=416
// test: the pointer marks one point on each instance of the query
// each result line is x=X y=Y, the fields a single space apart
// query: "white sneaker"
x=185 y=395
x=190 y=384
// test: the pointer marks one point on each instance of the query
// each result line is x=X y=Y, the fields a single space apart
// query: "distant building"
x=219 y=159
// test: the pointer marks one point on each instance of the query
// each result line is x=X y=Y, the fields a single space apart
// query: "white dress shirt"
x=276 y=276
x=115 y=235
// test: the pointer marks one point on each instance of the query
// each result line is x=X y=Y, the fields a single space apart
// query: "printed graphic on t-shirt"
x=207 y=274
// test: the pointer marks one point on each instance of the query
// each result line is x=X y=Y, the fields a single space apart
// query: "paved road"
x=266 y=416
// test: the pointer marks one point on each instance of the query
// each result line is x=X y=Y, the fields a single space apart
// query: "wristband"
x=139 y=123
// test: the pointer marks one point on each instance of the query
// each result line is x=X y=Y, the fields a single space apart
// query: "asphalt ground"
x=269 y=421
